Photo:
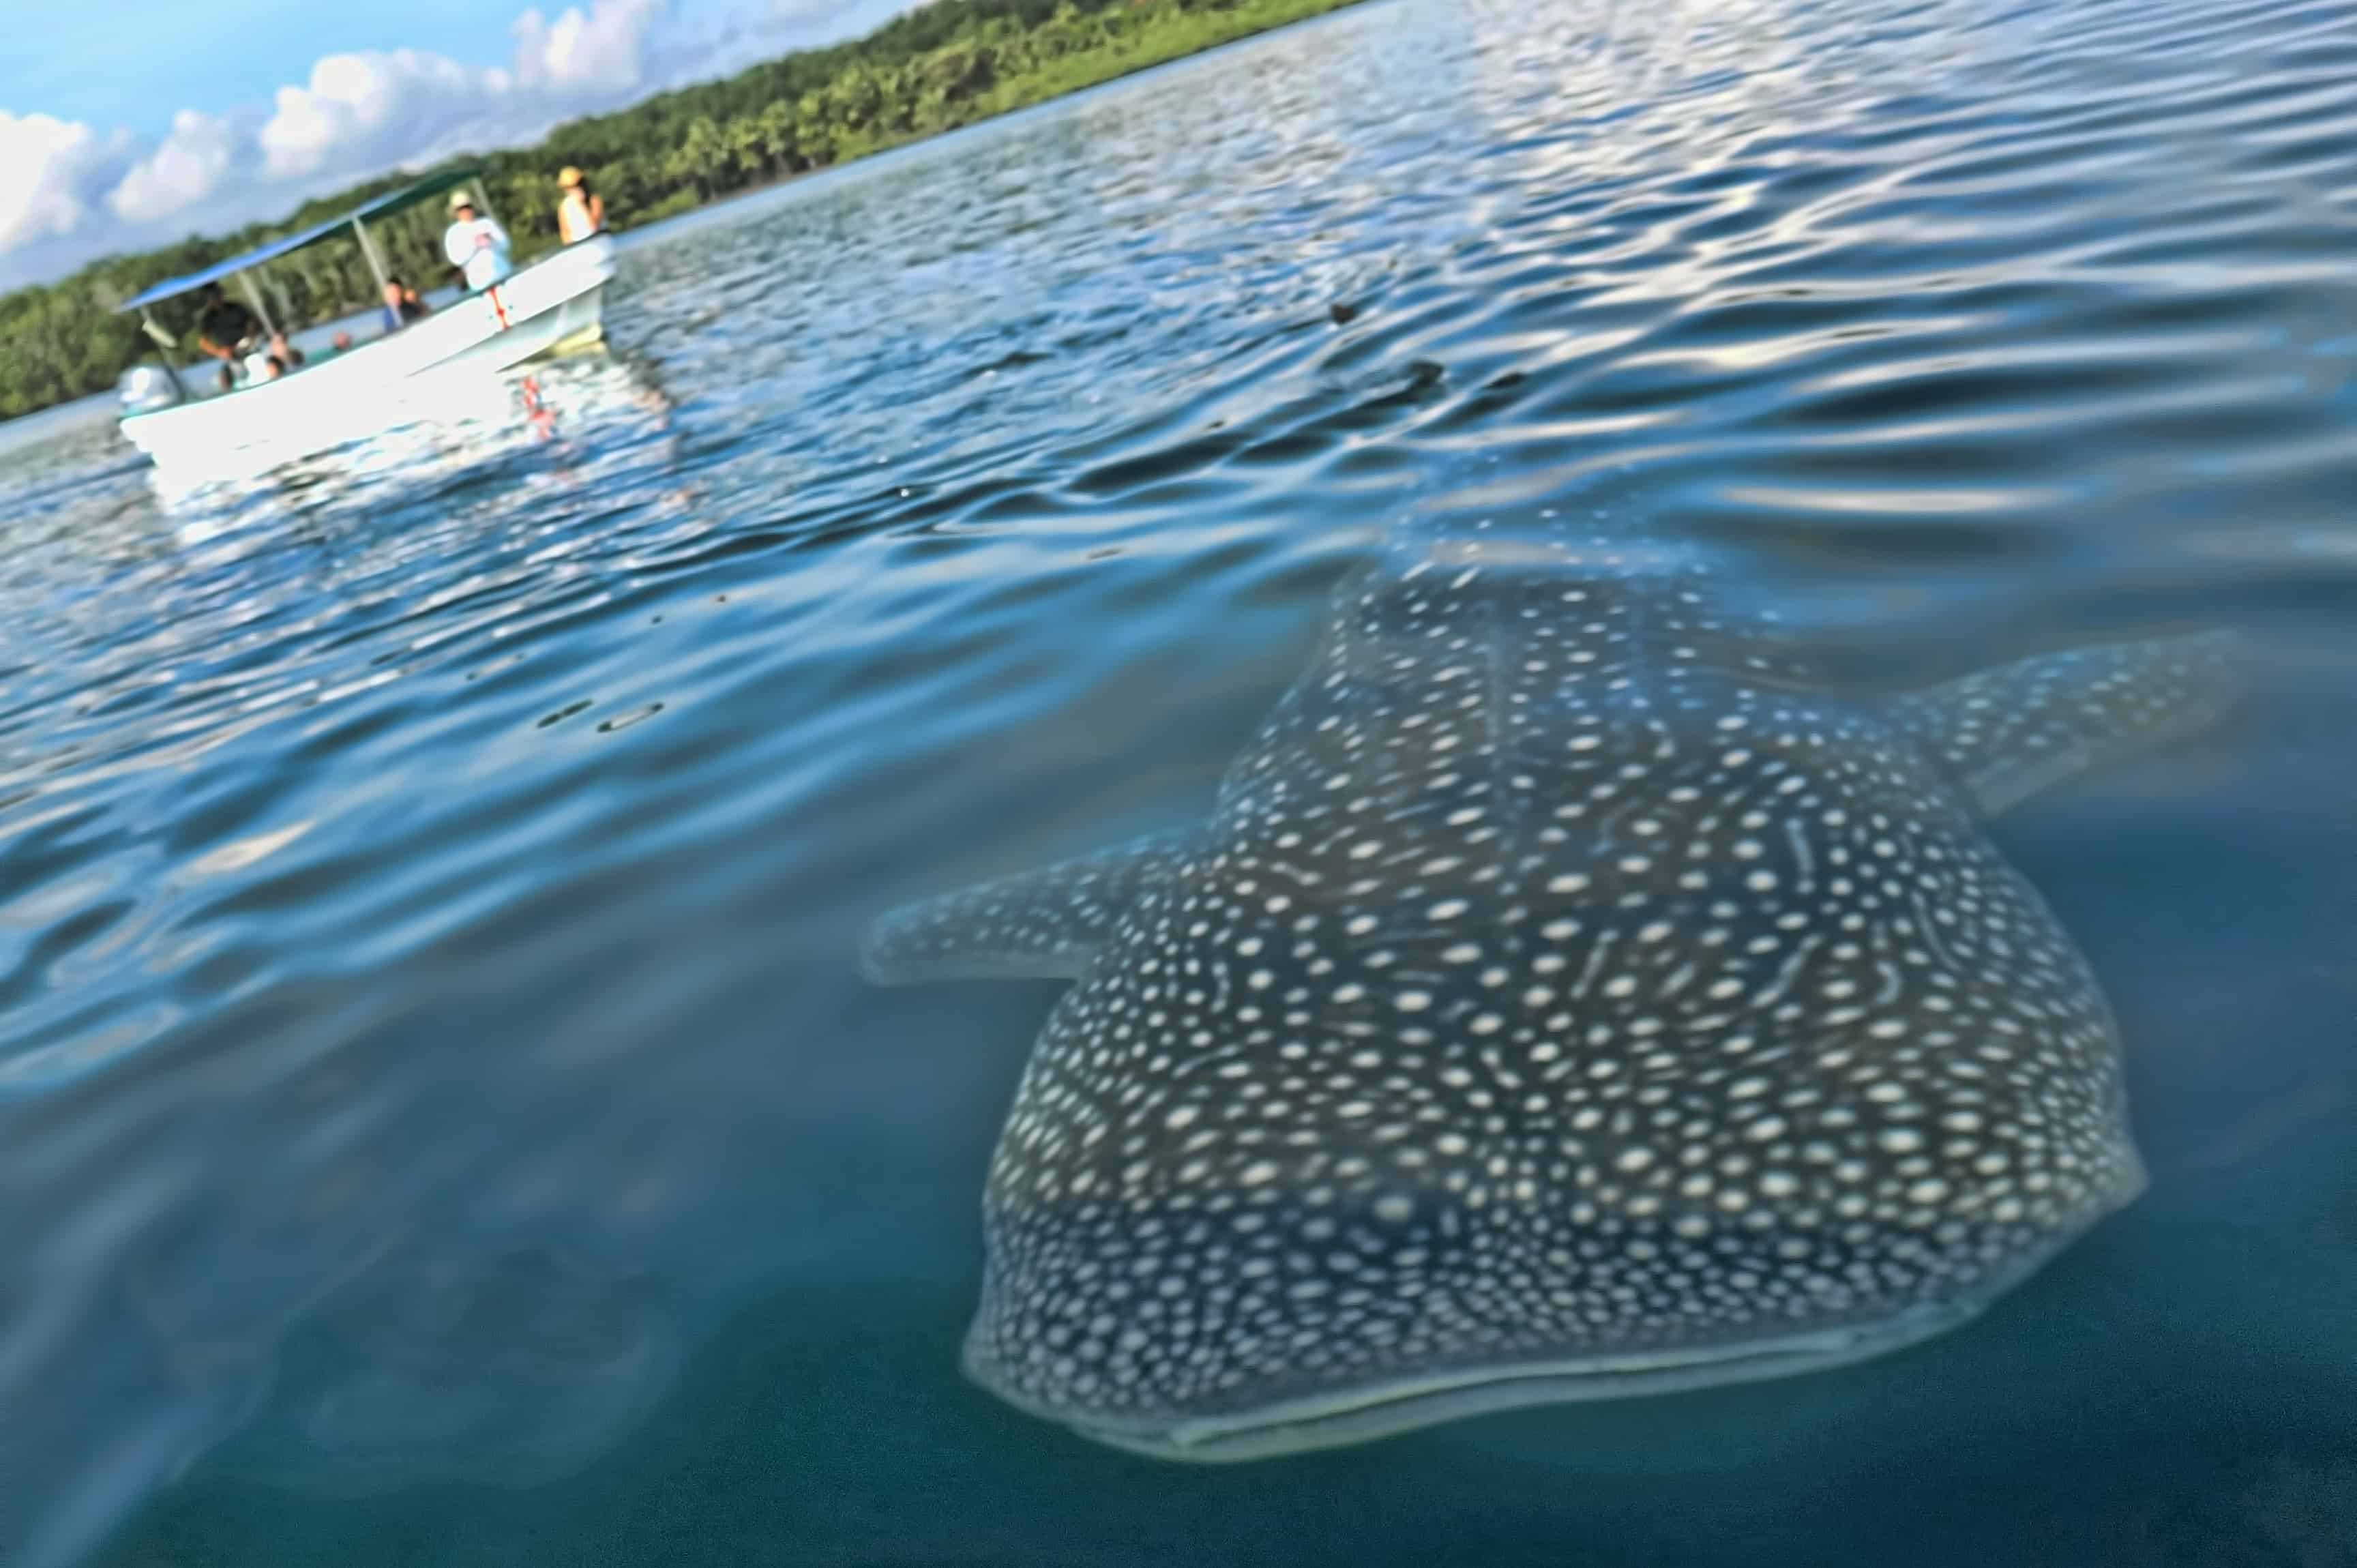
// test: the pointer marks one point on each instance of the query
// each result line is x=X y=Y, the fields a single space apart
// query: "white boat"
x=423 y=372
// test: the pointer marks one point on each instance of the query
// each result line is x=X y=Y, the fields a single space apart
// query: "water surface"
x=440 y=1120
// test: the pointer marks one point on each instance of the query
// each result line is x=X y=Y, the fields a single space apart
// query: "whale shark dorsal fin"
x=2011 y=732
x=1035 y=925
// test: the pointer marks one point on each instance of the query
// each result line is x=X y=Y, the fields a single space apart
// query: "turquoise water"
x=441 y=1120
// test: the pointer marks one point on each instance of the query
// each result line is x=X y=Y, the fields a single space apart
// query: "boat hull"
x=405 y=377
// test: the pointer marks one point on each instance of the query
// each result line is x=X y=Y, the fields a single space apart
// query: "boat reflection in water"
x=479 y=421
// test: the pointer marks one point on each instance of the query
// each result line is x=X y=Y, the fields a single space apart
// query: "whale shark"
x=1570 y=995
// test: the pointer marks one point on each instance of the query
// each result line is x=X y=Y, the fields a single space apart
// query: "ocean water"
x=441 y=1120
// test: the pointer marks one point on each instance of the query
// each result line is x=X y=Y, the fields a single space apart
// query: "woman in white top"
x=476 y=246
x=581 y=211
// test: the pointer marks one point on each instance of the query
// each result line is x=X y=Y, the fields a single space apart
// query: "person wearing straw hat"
x=476 y=246
x=580 y=211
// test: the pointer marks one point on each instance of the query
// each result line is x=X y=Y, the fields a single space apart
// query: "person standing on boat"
x=477 y=246
x=580 y=211
x=224 y=328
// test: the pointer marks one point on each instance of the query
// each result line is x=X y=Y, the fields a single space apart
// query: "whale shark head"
x=1562 y=1002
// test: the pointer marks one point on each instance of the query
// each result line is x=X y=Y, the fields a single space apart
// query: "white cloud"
x=188 y=166
x=52 y=173
x=363 y=113
x=600 y=51
x=366 y=111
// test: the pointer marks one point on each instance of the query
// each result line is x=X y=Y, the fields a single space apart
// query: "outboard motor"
x=146 y=388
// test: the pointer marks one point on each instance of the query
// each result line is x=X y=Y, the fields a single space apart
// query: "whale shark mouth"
x=1366 y=1411
x=1387 y=1406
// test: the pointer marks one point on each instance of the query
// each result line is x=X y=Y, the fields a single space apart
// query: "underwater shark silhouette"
x=1563 y=1001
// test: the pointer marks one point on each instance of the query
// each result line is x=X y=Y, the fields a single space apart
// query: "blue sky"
x=138 y=62
x=127 y=123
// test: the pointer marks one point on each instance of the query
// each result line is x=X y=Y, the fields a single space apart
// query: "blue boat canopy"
x=425 y=190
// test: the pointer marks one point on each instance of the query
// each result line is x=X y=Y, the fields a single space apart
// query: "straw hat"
x=460 y=199
x=568 y=174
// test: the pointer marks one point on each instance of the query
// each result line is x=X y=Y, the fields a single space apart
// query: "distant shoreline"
x=1299 y=12
x=945 y=67
x=774 y=183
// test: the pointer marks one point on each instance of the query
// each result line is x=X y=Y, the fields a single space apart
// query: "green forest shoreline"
x=950 y=64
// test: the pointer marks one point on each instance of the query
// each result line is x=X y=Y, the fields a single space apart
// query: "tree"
x=781 y=147
x=701 y=158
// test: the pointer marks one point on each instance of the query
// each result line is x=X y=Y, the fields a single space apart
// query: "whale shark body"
x=1565 y=999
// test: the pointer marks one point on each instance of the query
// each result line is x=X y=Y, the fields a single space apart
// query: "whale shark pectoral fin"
x=1035 y=925
x=2013 y=731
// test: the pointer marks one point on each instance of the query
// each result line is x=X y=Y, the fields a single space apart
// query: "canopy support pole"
x=375 y=262
x=483 y=190
x=161 y=339
x=261 y=309
x=157 y=335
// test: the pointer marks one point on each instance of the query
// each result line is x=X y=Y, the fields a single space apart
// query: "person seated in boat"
x=402 y=306
x=228 y=380
x=225 y=329
x=286 y=353
x=273 y=368
x=476 y=246
x=580 y=211
x=341 y=344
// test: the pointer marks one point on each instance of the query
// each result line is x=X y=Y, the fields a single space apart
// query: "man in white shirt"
x=476 y=246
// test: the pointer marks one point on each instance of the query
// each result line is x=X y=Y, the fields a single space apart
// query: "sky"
x=127 y=123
